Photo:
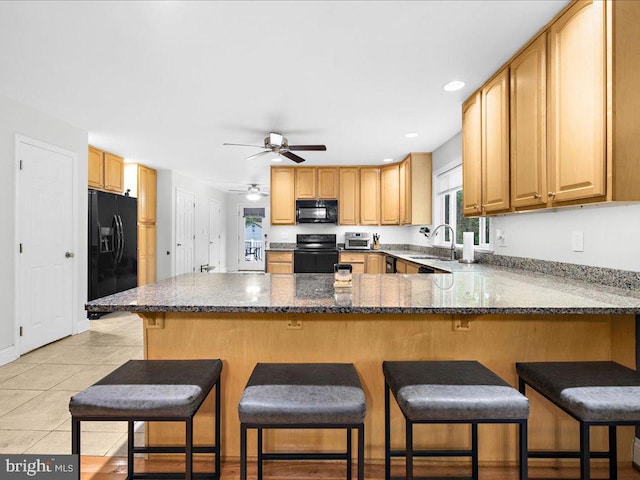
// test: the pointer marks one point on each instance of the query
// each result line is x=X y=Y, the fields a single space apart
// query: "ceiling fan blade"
x=256 y=155
x=292 y=156
x=243 y=145
x=321 y=148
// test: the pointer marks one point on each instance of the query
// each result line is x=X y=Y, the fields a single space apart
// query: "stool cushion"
x=592 y=391
x=149 y=388
x=453 y=390
x=303 y=393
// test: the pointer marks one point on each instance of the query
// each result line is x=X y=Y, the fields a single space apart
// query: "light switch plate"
x=577 y=241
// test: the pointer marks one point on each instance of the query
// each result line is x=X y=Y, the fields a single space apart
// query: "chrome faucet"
x=453 y=237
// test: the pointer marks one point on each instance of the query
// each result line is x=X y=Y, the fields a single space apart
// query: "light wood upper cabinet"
x=495 y=144
x=390 y=195
x=96 y=168
x=283 y=196
x=528 y=125
x=349 y=203
x=146 y=194
x=577 y=88
x=472 y=155
x=113 y=173
x=305 y=182
x=328 y=183
x=415 y=189
x=370 y=196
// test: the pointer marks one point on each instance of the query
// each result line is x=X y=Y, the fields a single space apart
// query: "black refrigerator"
x=113 y=243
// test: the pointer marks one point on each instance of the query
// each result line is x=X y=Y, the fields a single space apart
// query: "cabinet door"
x=495 y=143
x=577 y=160
x=113 y=172
x=401 y=266
x=349 y=196
x=412 y=268
x=370 y=196
x=405 y=192
x=305 y=182
x=472 y=156
x=279 y=262
x=146 y=194
x=96 y=168
x=146 y=254
x=390 y=195
x=528 y=125
x=374 y=263
x=327 y=183
x=283 y=200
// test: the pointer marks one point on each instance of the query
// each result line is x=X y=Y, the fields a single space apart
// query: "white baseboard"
x=636 y=453
x=8 y=354
x=83 y=325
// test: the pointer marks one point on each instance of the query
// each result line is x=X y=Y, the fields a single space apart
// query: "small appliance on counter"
x=357 y=241
x=342 y=275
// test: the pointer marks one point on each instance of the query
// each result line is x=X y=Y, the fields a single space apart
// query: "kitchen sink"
x=423 y=257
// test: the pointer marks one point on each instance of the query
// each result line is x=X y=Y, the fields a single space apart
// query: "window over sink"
x=447 y=184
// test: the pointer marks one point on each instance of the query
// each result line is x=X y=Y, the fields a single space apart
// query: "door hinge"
x=194 y=237
x=20 y=164
x=20 y=248
x=20 y=331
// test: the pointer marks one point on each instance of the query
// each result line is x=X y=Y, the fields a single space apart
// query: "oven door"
x=314 y=262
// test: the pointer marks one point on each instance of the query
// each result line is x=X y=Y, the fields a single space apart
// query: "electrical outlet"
x=461 y=325
x=501 y=238
x=577 y=241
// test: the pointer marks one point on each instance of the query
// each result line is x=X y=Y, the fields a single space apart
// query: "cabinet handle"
x=537 y=196
x=551 y=194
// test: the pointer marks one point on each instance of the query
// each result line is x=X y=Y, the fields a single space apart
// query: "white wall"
x=388 y=234
x=610 y=231
x=168 y=183
x=16 y=118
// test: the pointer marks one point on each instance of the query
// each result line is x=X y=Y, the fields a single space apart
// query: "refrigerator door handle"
x=121 y=238
x=116 y=238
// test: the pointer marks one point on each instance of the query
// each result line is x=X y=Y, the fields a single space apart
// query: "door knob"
x=69 y=255
x=179 y=244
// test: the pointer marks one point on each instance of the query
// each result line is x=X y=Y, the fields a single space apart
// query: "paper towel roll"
x=467 y=246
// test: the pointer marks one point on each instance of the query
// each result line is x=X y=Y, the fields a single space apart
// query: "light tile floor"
x=35 y=390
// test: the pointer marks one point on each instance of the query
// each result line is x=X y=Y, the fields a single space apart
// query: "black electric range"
x=315 y=253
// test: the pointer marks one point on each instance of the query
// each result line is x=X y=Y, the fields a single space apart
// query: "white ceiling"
x=166 y=83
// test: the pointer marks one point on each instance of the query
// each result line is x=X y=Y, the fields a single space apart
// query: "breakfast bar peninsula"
x=477 y=312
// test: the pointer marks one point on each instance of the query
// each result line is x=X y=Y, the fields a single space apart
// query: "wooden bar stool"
x=152 y=390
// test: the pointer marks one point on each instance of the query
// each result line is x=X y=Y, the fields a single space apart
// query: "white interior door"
x=215 y=235
x=253 y=224
x=45 y=234
x=185 y=231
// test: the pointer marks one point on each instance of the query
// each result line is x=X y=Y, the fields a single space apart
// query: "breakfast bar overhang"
x=495 y=315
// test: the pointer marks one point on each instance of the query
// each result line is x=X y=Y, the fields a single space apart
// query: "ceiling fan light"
x=411 y=134
x=254 y=197
x=275 y=138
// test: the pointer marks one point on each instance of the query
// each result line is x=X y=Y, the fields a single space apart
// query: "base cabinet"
x=279 y=262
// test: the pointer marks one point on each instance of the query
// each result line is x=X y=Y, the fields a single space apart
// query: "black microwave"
x=316 y=211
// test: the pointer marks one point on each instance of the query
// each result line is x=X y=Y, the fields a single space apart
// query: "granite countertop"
x=470 y=289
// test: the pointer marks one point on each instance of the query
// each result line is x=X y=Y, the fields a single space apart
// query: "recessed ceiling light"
x=411 y=134
x=387 y=160
x=454 y=85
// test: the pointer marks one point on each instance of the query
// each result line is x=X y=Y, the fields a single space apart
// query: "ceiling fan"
x=253 y=192
x=278 y=144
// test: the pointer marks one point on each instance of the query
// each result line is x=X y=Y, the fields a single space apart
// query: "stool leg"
x=243 y=452
x=217 y=430
x=349 y=453
x=409 y=449
x=75 y=437
x=361 y=451
x=585 y=472
x=524 y=458
x=130 y=447
x=259 y=454
x=387 y=434
x=613 y=453
x=474 y=451
x=188 y=450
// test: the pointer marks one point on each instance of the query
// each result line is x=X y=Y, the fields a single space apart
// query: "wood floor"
x=115 y=468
